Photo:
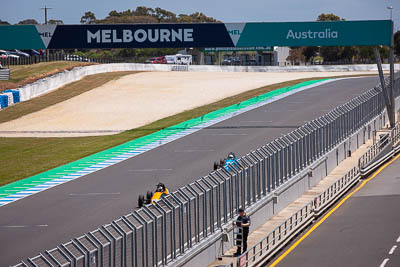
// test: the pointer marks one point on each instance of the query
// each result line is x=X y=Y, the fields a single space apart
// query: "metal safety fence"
x=383 y=149
x=375 y=150
x=157 y=234
x=34 y=59
x=300 y=219
x=4 y=74
x=283 y=233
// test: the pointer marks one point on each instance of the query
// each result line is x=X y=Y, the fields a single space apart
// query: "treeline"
x=141 y=14
x=144 y=14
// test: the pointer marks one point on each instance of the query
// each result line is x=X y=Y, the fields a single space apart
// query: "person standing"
x=243 y=223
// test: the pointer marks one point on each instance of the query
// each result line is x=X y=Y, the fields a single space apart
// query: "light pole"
x=45 y=8
x=391 y=62
x=391 y=9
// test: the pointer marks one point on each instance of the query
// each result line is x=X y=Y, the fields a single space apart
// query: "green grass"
x=24 y=157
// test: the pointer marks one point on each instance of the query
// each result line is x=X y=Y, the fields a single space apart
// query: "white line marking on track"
x=195 y=150
x=94 y=194
x=392 y=250
x=398 y=239
x=256 y=121
x=150 y=170
x=226 y=134
x=384 y=262
x=24 y=226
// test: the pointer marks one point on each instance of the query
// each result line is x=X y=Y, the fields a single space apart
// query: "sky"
x=224 y=10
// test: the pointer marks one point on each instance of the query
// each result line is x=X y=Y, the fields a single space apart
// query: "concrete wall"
x=58 y=80
x=206 y=252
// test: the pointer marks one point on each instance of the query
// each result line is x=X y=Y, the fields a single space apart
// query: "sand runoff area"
x=138 y=99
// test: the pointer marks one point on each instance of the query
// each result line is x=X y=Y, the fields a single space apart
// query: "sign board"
x=332 y=33
x=237 y=49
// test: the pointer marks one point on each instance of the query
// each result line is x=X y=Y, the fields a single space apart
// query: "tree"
x=309 y=52
x=28 y=21
x=143 y=11
x=88 y=18
x=396 y=43
x=56 y=21
x=366 y=53
x=163 y=15
x=331 y=53
x=3 y=22
x=384 y=52
x=328 y=17
x=348 y=53
x=296 y=55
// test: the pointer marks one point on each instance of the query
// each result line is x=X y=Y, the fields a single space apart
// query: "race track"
x=44 y=220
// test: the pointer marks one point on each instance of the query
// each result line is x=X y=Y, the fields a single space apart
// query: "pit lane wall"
x=56 y=81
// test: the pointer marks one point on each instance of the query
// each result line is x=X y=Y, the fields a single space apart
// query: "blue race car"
x=228 y=163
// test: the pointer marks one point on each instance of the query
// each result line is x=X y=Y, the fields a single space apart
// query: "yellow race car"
x=161 y=191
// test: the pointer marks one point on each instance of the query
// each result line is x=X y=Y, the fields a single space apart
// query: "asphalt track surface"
x=364 y=231
x=47 y=219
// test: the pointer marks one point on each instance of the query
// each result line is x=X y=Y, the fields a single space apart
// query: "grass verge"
x=25 y=74
x=25 y=157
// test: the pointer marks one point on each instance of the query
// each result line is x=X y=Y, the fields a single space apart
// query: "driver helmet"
x=160 y=186
x=231 y=155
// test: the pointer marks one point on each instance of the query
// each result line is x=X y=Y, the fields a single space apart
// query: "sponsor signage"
x=237 y=49
x=329 y=33
x=241 y=36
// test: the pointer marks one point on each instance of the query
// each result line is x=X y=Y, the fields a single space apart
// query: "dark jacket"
x=243 y=220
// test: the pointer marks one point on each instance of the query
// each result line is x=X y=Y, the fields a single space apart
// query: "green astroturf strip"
x=102 y=156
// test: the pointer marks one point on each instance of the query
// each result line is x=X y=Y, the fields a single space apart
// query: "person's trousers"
x=241 y=249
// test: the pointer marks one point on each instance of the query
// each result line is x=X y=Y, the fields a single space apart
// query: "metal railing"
x=335 y=190
x=157 y=234
x=275 y=239
x=283 y=233
x=374 y=150
x=380 y=151
x=4 y=74
x=56 y=57
x=395 y=134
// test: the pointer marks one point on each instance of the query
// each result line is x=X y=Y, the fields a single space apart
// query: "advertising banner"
x=237 y=49
x=214 y=35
